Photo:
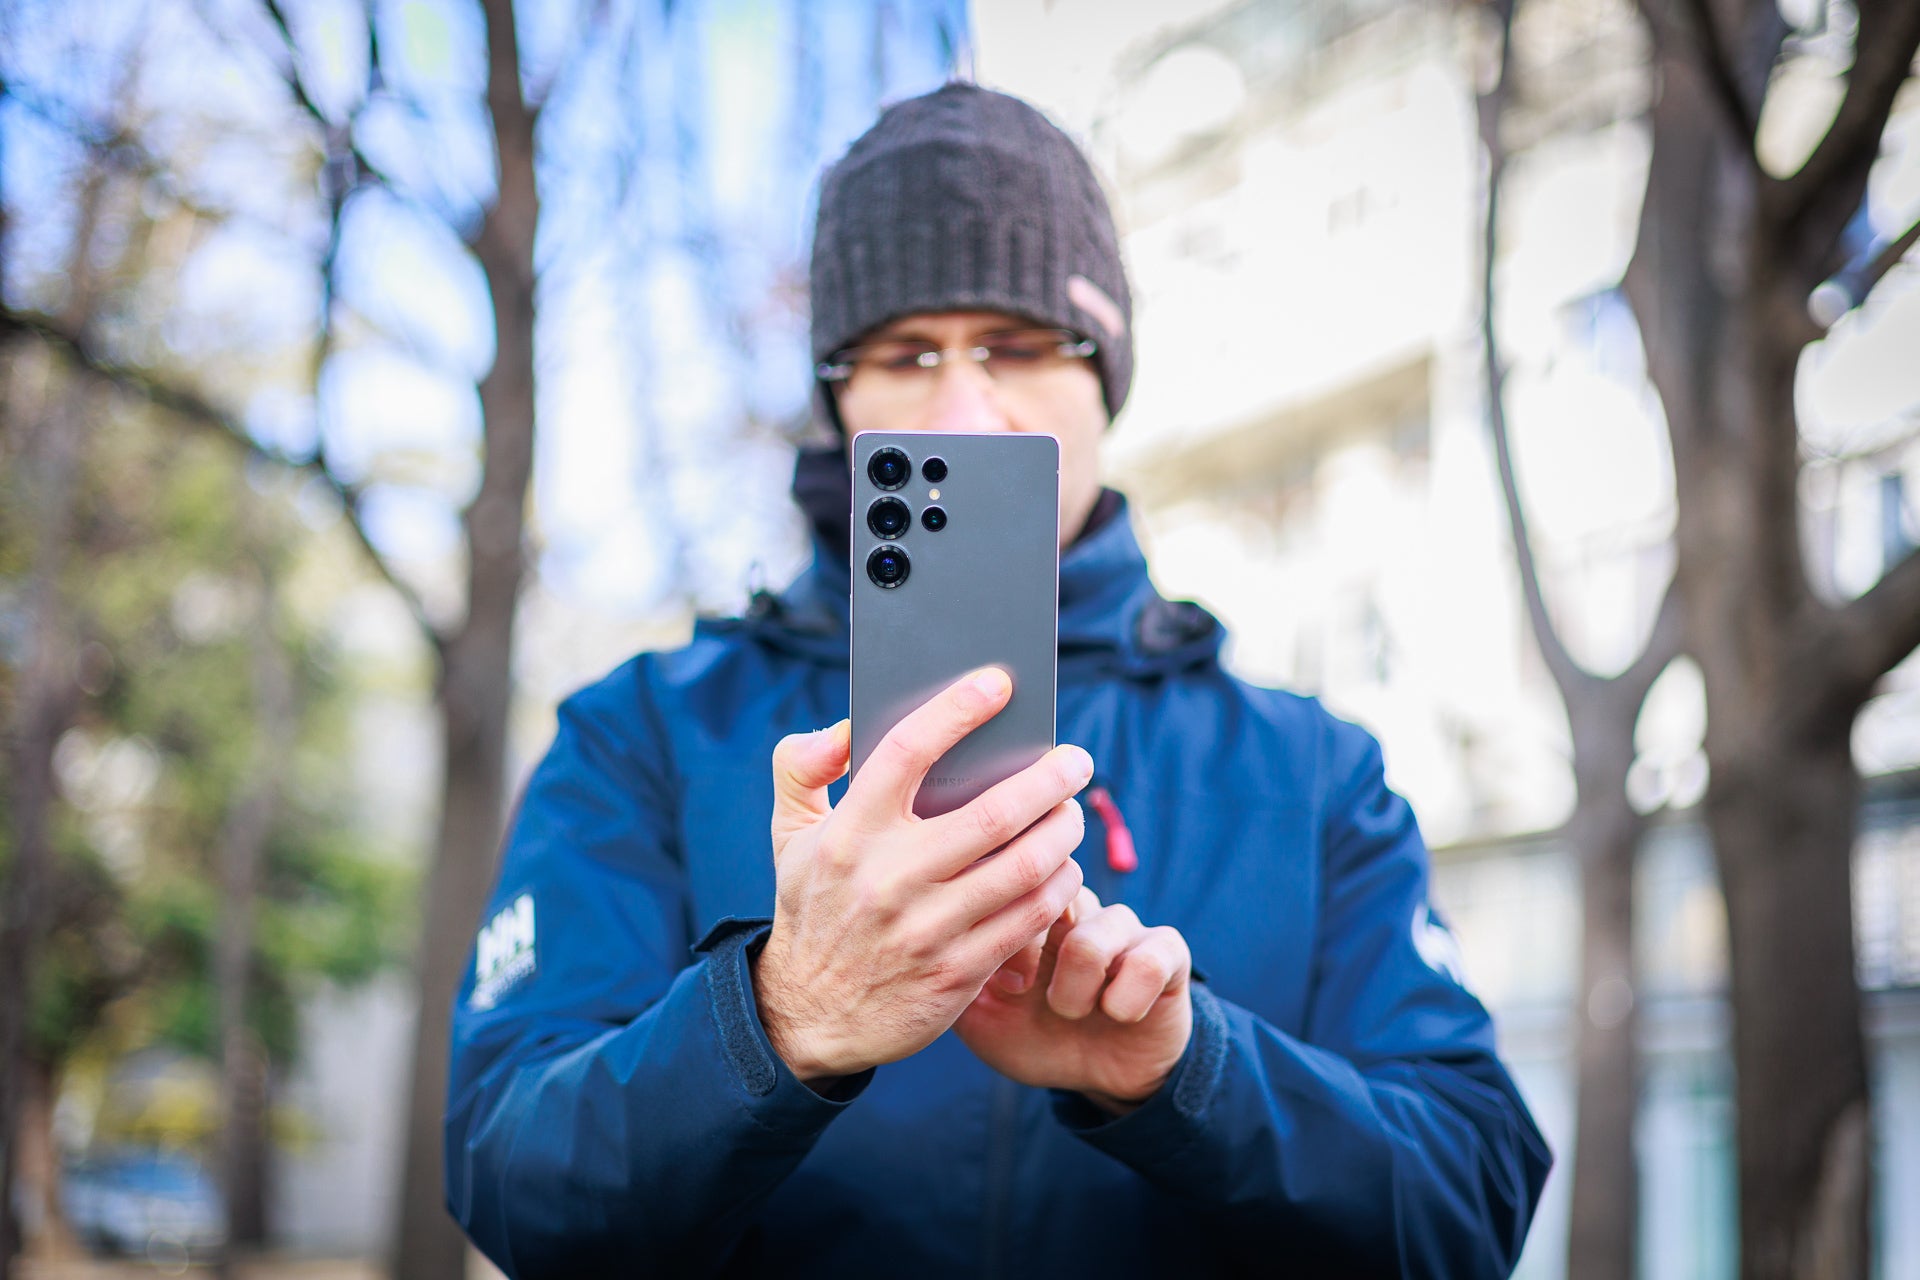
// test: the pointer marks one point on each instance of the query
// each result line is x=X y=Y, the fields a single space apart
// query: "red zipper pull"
x=1120 y=854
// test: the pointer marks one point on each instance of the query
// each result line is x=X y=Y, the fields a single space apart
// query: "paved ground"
x=260 y=1269
x=267 y=1268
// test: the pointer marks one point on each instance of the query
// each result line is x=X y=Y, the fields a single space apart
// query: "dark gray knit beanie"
x=967 y=199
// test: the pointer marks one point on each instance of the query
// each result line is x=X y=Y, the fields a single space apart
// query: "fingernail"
x=1076 y=765
x=991 y=682
x=1011 y=981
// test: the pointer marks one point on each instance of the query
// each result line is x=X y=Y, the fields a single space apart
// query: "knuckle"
x=1032 y=864
x=948 y=973
x=898 y=751
x=1152 y=969
x=879 y=894
x=989 y=817
x=1002 y=881
x=1037 y=915
x=837 y=850
x=921 y=946
x=1087 y=948
x=969 y=700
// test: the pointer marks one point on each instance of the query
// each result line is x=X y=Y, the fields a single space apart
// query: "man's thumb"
x=803 y=765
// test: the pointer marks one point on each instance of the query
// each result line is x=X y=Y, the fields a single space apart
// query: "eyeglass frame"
x=838 y=369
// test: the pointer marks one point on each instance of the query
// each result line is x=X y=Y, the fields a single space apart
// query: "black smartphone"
x=956 y=566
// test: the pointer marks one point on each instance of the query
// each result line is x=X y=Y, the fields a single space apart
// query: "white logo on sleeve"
x=503 y=954
x=1436 y=945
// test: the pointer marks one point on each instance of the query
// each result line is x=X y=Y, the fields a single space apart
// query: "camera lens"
x=888 y=566
x=889 y=518
x=934 y=518
x=888 y=469
x=934 y=469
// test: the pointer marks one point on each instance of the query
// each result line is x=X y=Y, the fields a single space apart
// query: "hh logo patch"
x=1436 y=945
x=503 y=955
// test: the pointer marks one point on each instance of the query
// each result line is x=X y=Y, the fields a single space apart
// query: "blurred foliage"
x=268 y=216
x=164 y=584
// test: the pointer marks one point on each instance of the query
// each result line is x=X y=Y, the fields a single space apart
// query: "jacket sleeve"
x=1386 y=1139
x=612 y=1096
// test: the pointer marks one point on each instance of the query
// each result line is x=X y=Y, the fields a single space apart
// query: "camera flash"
x=933 y=495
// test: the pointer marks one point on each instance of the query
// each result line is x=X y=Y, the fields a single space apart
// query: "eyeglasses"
x=908 y=365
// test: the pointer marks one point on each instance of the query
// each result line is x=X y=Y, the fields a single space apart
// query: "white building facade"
x=1299 y=190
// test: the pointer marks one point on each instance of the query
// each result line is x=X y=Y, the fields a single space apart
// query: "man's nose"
x=965 y=399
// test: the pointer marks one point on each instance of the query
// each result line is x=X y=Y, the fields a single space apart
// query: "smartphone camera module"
x=889 y=518
x=888 y=565
x=934 y=518
x=934 y=469
x=889 y=469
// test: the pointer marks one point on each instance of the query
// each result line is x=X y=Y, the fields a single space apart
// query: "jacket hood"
x=1112 y=619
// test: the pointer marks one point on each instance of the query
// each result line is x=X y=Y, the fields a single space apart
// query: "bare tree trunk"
x=1784 y=818
x=1604 y=830
x=245 y=1146
x=1603 y=1232
x=44 y=699
x=47 y=691
x=476 y=674
x=51 y=1238
x=1726 y=261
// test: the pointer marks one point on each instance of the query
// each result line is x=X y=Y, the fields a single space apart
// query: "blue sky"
x=678 y=155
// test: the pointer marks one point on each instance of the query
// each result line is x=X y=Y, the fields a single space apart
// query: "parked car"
x=152 y=1204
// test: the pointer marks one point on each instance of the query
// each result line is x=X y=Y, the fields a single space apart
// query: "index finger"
x=1084 y=904
x=884 y=788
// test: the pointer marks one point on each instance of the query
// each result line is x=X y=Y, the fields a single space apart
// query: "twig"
x=1851 y=286
x=338 y=134
x=194 y=408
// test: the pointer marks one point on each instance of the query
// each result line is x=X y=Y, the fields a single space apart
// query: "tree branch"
x=1872 y=635
x=116 y=147
x=1816 y=202
x=1665 y=642
x=1888 y=258
x=296 y=83
x=1712 y=58
x=338 y=135
x=1567 y=674
x=1851 y=286
x=590 y=31
x=196 y=409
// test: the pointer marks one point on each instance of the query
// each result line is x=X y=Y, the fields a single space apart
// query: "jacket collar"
x=1112 y=620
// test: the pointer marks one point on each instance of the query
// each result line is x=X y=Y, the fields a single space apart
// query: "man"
x=860 y=1045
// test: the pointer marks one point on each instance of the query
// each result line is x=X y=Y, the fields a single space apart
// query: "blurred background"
x=376 y=372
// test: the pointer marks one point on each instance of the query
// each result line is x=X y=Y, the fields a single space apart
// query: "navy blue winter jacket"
x=615 y=1108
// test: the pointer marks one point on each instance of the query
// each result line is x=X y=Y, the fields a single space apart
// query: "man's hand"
x=1101 y=1006
x=885 y=924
